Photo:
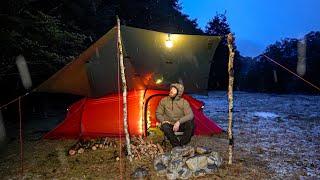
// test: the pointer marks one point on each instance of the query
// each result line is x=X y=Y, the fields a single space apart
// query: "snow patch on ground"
x=266 y=115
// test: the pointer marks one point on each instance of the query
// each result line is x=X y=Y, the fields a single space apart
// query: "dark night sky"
x=258 y=23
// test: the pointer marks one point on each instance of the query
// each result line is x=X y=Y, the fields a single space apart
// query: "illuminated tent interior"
x=152 y=60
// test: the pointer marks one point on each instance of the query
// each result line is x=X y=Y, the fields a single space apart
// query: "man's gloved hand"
x=176 y=126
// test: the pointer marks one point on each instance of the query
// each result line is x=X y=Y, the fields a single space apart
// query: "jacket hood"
x=180 y=89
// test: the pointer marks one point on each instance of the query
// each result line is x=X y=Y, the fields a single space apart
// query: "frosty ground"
x=281 y=130
x=276 y=137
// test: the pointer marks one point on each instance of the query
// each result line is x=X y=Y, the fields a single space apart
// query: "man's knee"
x=166 y=127
x=191 y=124
x=188 y=127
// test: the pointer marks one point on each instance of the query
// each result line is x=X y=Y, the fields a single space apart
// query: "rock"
x=210 y=169
x=175 y=165
x=94 y=148
x=199 y=173
x=177 y=150
x=140 y=173
x=179 y=165
x=117 y=158
x=166 y=158
x=202 y=150
x=175 y=156
x=185 y=159
x=172 y=175
x=188 y=151
x=161 y=169
x=214 y=159
x=185 y=151
x=197 y=162
x=184 y=173
x=163 y=158
x=157 y=160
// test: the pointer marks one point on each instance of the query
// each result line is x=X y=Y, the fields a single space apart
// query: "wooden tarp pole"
x=124 y=88
x=230 y=41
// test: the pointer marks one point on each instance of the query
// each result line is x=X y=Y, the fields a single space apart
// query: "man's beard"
x=172 y=96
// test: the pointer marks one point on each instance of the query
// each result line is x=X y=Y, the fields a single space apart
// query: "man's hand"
x=176 y=126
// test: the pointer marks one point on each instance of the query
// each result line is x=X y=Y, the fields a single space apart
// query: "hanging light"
x=159 y=80
x=169 y=42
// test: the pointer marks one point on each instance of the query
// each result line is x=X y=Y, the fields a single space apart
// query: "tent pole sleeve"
x=124 y=88
x=230 y=40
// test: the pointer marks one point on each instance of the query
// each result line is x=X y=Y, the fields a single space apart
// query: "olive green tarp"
x=95 y=72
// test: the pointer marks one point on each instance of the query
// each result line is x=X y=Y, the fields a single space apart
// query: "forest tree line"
x=49 y=34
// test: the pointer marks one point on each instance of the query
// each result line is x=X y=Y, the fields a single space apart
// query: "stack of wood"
x=145 y=148
x=92 y=144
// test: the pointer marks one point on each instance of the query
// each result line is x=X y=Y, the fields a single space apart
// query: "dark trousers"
x=187 y=128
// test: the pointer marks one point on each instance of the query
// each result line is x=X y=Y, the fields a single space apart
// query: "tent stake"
x=230 y=40
x=124 y=88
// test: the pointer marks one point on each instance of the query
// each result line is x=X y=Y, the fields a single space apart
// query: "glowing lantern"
x=169 y=42
x=159 y=81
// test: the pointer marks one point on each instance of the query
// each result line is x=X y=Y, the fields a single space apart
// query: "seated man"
x=175 y=114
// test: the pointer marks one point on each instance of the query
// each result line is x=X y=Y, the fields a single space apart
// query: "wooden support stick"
x=124 y=88
x=230 y=40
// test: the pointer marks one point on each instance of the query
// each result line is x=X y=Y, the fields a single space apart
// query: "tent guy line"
x=16 y=99
x=306 y=81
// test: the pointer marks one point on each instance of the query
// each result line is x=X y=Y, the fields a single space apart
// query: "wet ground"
x=276 y=137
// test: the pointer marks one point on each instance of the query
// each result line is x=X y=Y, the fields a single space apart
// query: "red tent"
x=103 y=116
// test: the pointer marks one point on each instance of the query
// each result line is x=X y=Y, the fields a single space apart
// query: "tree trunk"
x=124 y=88
x=230 y=40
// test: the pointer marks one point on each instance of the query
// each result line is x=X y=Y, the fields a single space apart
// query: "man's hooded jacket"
x=174 y=109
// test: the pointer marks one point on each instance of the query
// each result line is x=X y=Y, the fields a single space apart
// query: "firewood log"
x=105 y=141
x=72 y=152
x=80 y=151
x=160 y=148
